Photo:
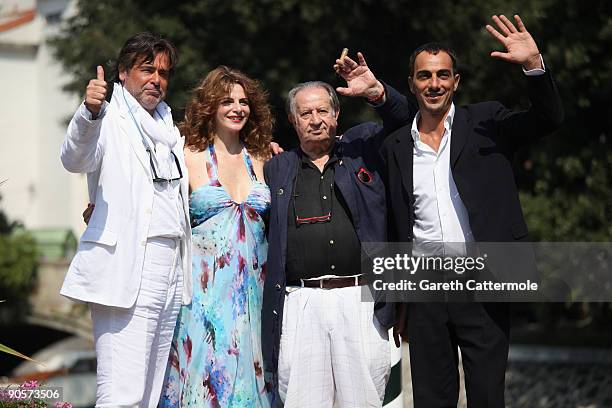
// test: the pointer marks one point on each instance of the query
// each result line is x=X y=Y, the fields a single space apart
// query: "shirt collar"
x=333 y=157
x=448 y=123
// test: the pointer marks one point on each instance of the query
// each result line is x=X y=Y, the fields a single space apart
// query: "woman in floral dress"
x=215 y=359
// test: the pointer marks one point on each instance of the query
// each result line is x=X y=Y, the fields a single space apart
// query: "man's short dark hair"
x=433 y=48
x=143 y=47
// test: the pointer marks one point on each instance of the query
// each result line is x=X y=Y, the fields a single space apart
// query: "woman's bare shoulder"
x=192 y=153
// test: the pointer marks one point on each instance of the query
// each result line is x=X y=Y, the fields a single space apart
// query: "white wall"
x=33 y=113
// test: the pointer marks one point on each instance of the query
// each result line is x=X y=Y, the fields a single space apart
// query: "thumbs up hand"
x=95 y=93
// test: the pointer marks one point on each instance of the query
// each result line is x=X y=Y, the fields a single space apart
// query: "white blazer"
x=107 y=268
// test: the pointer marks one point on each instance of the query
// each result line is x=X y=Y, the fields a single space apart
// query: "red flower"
x=204 y=275
x=187 y=347
x=223 y=260
x=251 y=213
x=241 y=263
x=241 y=230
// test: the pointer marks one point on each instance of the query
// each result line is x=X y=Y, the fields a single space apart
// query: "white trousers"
x=332 y=350
x=132 y=345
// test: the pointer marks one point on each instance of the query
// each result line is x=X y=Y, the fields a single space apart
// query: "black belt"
x=331 y=283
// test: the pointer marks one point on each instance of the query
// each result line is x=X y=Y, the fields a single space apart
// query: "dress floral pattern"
x=215 y=359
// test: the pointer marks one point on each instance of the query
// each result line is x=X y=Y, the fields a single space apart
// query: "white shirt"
x=440 y=215
x=168 y=219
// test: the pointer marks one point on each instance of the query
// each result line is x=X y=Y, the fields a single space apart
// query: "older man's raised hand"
x=520 y=45
x=360 y=80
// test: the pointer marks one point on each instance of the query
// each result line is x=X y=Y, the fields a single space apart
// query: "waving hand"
x=360 y=80
x=520 y=45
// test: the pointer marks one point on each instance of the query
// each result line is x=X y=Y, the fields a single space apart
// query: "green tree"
x=18 y=262
x=565 y=179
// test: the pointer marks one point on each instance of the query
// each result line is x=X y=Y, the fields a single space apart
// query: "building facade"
x=34 y=111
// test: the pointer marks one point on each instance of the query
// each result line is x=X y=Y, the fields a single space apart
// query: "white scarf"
x=158 y=130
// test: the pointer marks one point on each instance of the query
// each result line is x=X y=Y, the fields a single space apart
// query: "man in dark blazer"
x=449 y=178
x=327 y=198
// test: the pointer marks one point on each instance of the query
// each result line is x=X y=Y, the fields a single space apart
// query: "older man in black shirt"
x=327 y=198
x=334 y=241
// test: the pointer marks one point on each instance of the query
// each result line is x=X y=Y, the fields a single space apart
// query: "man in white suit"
x=133 y=264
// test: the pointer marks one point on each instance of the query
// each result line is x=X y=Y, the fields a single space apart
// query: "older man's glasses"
x=312 y=220
x=158 y=179
x=316 y=219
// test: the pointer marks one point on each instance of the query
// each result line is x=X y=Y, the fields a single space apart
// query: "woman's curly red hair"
x=198 y=126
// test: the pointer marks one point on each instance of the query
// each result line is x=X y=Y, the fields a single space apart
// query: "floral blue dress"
x=215 y=358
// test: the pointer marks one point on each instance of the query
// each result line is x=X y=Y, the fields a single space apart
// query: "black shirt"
x=322 y=248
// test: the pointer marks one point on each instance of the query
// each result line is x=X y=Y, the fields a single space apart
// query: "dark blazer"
x=483 y=141
x=358 y=148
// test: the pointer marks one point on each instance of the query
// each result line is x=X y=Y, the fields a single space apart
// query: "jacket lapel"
x=403 y=155
x=131 y=131
x=459 y=135
x=283 y=192
x=342 y=178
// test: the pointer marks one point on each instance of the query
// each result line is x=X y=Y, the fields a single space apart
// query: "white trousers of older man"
x=333 y=351
x=132 y=345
